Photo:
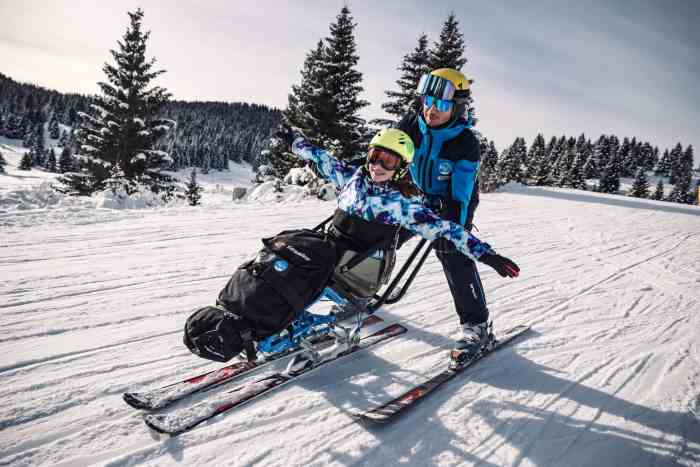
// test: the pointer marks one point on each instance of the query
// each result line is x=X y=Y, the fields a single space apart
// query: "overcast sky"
x=630 y=68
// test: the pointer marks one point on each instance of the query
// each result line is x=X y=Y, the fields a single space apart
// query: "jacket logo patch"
x=444 y=171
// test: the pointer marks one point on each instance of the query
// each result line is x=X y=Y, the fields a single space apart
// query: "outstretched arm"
x=415 y=216
x=426 y=223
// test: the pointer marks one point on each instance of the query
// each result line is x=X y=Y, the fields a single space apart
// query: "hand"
x=504 y=266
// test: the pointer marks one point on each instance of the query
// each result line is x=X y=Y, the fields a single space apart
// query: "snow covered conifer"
x=123 y=126
x=26 y=162
x=3 y=163
x=306 y=101
x=415 y=64
x=640 y=187
x=535 y=157
x=681 y=192
x=674 y=163
x=659 y=191
x=510 y=163
x=575 y=177
x=50 y=163
x=648 y=156
x=448 y=51
x=610 y=178
x=664 y=165
x=194 y=190
x=65 y=160
x=488 y=175
x=54 y=130
x=345 y=131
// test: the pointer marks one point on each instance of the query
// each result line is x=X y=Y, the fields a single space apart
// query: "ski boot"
x=475 y=339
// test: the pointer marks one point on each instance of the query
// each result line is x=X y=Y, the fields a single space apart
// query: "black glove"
x=287 y=134
x=502 y=265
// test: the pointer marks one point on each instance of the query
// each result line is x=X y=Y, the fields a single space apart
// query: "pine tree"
x=535 y=157
x=414 y=65
x=681 y=192
x=123 y=125
x=305 y=103
x=509 y=164
x=341 y=126
x=54 y=130
x=65 y=160
x=600 y=157
x=26 y=162
x=664 y=165
x=659 y=191
x=575 y=177
x=640 y=187
x=566 y=163
x=194 y=190
x=50 y=163
x=3 y=163
x=675 y=164
x=556 y=162
x=629 y=165
x=488 y=174
x=610 y=177
x=648 y=156
x=448 y=51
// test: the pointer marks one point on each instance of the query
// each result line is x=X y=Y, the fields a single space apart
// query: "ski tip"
x=135 y=400
x=153 y=422
x=369 y=419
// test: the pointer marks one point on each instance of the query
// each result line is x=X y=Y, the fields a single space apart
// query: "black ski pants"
x=465 y=283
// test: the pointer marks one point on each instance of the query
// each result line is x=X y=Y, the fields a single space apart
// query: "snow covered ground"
x=92 y=303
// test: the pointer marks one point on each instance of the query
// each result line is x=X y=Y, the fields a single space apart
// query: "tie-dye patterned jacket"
x=383 y=203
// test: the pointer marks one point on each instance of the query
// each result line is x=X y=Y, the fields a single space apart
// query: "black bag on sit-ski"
x=264 y=295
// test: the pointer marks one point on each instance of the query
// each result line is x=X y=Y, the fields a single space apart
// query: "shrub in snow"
x=299 y=176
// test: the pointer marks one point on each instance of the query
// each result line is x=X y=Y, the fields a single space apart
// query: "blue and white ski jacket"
x=383 y=203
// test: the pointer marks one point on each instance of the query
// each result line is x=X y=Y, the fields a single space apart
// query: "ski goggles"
x=436 y=86
x=388 y=160
x=443 y=105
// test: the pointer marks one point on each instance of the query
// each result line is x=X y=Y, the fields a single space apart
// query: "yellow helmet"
x=395 y=141
x=445 y=83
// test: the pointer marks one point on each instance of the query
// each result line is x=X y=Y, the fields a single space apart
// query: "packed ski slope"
x=92 y=304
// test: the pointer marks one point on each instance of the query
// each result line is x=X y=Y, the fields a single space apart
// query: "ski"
x=388 y=411
x=162 y=397
x=186 y=418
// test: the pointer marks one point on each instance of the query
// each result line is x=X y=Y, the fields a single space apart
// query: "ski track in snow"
x=93 y=304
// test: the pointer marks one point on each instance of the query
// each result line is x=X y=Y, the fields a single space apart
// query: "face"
x=433 y=117
x=378 y=160
x=379 y=174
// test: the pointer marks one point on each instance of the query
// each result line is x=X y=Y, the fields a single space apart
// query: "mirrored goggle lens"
x=441 y=104
x=387 y=160
x=436 y=86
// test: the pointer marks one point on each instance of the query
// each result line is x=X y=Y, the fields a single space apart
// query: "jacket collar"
x=449 y=131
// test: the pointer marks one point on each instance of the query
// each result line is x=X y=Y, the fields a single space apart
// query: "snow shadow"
x=609 y=200
x=564 y=423
x=571 y=429
x=421 y=441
